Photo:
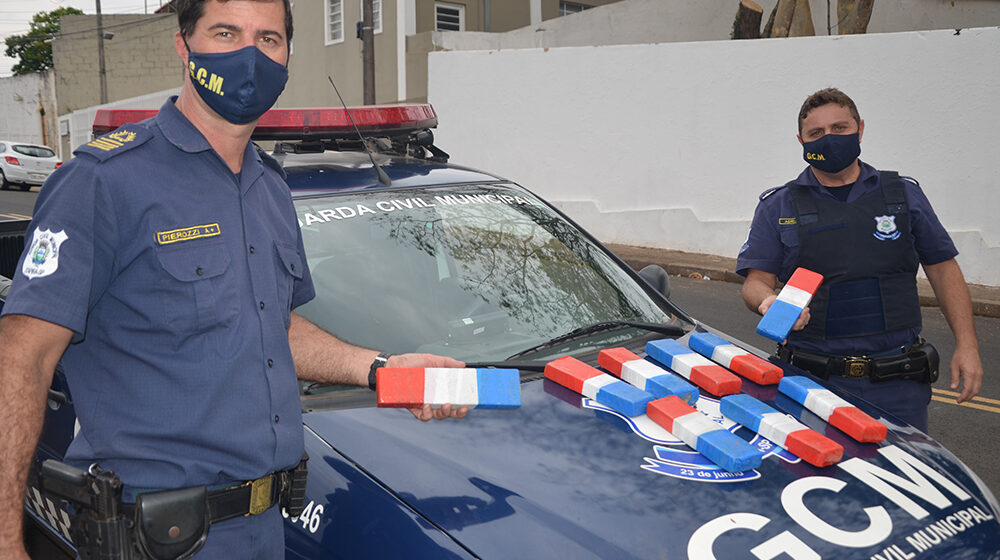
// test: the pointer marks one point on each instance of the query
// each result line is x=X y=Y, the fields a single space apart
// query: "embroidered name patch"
x=188 y=233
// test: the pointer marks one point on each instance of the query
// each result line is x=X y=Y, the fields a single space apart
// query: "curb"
x=985 y=299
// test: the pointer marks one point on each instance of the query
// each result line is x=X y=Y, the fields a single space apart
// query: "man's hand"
x=427 y=412
x=967 y=370
x=956 y=305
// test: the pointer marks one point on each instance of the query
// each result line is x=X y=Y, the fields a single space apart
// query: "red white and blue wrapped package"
x=595 y=384
x=479 y=388
x=792 y=299
x=694 y=367
x=785 y=431
x=646 y=375
x=729 y=355
x=718 y=444
x=835 y=410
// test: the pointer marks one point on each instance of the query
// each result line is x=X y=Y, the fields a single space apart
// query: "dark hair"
x=190 y=11
x=825 y=97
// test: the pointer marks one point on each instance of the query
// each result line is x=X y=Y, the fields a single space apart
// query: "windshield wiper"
x=508 y=364
x=669 y=330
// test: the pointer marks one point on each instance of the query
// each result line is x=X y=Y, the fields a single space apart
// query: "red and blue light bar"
x=304 y=124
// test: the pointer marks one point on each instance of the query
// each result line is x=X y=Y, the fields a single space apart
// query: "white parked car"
x=25 y=164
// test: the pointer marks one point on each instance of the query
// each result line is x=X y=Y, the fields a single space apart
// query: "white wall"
x=669 y=145
x=667 y=21
x=79 y=124
x=25 y=101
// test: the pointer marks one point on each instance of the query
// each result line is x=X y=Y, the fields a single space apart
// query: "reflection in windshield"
x=474 y=272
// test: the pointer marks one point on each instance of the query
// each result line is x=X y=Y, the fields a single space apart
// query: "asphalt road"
x=17 y=204
x=969 y=430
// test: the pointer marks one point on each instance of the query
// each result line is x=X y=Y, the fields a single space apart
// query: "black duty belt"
x=918 y=362
x=253 y=497
x=165 y=524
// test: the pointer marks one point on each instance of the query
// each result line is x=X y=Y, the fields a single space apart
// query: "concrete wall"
x=29 y=109
x=75 y=127
x=138 y=60
x=660 y=21
x=669 y=145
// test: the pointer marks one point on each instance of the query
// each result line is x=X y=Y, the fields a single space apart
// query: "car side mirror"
x=655 y=276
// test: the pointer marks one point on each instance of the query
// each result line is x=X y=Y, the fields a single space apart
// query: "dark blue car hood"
x=562 y=478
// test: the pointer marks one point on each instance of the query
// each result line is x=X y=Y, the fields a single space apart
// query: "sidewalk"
x=985 y=299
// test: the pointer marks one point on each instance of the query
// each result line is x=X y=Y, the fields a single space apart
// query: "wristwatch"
x=378 y=362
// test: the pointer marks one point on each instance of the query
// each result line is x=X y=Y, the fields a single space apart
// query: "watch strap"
x=378 y=362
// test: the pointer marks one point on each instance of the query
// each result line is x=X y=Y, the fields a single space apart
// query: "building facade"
x=326 y=43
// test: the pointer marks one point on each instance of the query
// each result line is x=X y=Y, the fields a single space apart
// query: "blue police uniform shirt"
x=177 y=278
x=772 y=246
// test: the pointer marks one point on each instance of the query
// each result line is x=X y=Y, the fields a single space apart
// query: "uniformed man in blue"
x=866 y=231
x=165 y=259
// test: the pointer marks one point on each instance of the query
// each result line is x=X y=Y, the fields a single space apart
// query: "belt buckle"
x=855 y=367
x=260 y=495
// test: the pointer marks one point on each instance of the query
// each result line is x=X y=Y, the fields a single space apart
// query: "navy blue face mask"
x=833 y=152
x=239 y=85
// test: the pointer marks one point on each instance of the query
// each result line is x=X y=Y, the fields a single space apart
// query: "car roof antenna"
x=383 y=177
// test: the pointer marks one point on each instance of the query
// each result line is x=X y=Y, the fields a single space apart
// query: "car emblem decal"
x=886 y=228
x=43 y=258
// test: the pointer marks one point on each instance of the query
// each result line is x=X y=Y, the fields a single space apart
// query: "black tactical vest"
x=865 y=252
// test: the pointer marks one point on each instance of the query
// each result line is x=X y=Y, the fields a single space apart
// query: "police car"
x=434 y=257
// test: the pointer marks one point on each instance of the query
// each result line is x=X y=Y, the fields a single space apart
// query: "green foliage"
x=34 y=52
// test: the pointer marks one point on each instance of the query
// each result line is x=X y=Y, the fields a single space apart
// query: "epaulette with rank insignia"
x=113 y=143
x=770 y=191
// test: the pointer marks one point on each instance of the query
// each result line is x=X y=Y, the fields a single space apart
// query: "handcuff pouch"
x=172 y=524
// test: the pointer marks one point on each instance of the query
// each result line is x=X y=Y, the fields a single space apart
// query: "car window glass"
x=35 y=151
x=474 y=272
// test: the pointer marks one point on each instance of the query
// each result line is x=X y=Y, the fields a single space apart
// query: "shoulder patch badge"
x=114 y=143
x=43 y=258
x=787 y=221
x=885 y=227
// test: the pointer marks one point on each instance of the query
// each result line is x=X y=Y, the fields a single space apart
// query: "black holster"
x=919 y=363
x=98 y=528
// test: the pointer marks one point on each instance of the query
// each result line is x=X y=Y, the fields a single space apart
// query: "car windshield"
x=34 y=151
x=476 y=272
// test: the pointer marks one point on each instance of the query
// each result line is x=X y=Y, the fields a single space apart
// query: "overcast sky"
x=15 y=16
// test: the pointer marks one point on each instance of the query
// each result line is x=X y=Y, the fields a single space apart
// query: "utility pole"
x=368 y=50
x=100 y=54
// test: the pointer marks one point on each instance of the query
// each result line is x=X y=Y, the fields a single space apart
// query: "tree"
x=853 y=16
x=793 y=18
x=33 y=48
